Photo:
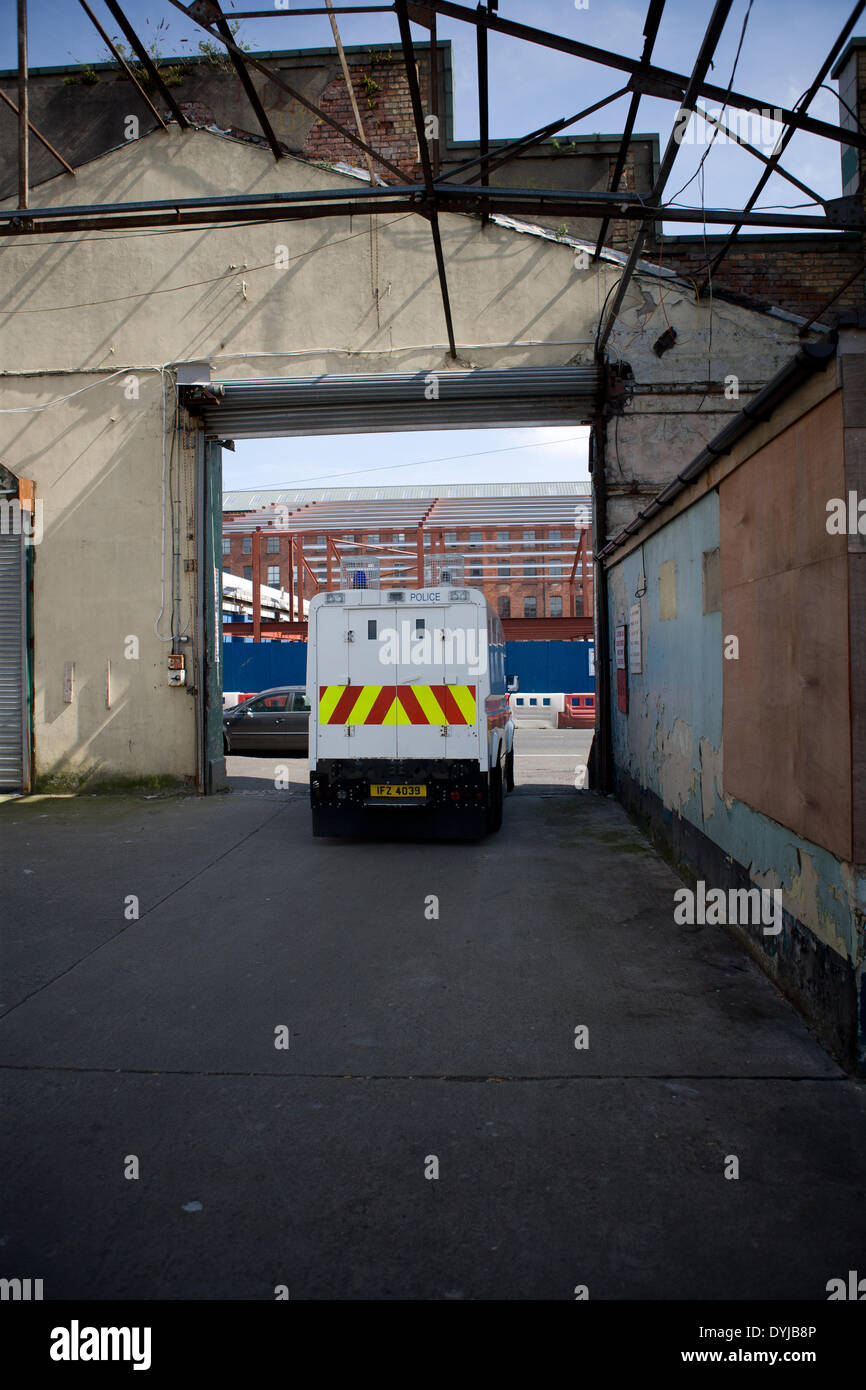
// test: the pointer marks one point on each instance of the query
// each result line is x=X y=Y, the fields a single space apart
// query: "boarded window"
x=711 y=572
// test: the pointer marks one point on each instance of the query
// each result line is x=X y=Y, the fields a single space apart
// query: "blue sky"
x=784 y=44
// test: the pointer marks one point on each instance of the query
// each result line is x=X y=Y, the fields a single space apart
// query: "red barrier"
x=579 y=712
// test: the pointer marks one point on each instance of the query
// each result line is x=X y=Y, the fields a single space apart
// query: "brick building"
x=523 y=544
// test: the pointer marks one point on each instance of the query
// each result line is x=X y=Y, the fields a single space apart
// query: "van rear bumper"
x=454 y=805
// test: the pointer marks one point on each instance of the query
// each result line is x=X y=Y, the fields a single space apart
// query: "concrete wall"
x=101 y=317
x=690 y=706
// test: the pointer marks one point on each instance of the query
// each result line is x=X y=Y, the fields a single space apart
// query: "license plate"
x=401 y=791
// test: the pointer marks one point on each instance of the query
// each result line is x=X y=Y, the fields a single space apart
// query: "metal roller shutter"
x=380 y=402
x=11 y=661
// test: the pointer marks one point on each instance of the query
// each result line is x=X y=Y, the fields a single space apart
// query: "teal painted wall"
x=670 y=743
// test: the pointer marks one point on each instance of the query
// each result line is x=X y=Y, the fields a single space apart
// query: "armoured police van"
x=410 y=728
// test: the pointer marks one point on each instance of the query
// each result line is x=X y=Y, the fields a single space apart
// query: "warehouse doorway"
x=286 y=407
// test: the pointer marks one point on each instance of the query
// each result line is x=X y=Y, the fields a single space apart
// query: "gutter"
x=811 y=358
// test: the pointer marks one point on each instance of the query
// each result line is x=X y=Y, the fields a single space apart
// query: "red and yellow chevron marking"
x=397 y=704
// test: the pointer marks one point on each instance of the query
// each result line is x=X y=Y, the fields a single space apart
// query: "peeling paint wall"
x=670 y=742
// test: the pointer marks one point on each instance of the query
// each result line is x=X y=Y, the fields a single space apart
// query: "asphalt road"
x=430 y=996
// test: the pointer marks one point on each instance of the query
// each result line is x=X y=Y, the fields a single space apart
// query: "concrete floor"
x=409 y=1038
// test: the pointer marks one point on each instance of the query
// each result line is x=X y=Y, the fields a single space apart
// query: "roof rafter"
x=650 y=30
x=147 y=62
x=788 y=135
x=661 y=82
x=284 y=86
x=702 y=62
x=426 y=165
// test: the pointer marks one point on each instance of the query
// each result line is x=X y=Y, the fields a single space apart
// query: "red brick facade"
x=382 y=93
x=530 y=578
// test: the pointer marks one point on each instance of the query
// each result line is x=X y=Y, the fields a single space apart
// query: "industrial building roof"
x=299 y=497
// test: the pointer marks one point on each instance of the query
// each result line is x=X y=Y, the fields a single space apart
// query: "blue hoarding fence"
x=548 y=666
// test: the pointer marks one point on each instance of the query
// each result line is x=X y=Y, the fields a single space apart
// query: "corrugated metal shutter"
x=11 y=661
x=380 y=402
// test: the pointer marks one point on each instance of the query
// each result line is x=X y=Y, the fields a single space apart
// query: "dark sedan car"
x=275 y=721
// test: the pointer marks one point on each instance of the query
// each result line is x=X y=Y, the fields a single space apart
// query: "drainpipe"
x=601 y=759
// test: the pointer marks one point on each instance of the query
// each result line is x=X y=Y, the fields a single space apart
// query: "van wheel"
x=494 y=800
x=509 y=772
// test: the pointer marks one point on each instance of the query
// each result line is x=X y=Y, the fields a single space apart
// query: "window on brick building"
x=503 y=536
x=248 y=571
x=475 y=537
x=504 y=569
x=554 y=535
x=529 y=607
x=530 y=570
x=556 y=606
x=274 y=576
x=450 y=537
x=373 y=538
x=248 y=545
x=474 y=571
x=273 y=545
x=555 y=571
x=529 y=535
x=227 y=545
x=504 y=606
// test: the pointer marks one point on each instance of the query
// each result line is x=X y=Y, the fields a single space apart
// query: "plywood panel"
x=786 y=700
x=774 y=508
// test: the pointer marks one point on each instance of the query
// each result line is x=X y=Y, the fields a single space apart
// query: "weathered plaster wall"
x=671 y=740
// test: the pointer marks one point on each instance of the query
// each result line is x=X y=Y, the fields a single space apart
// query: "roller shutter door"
x=381 y=402
x=12 y=703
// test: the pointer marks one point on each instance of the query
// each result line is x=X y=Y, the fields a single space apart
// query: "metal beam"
x=147 y=62
x=347 y=78
x=650 y=31
x=668 y=84
x=765 y=159
x=504 y=153
x=424 y=152
x=118 y=57
x=313 y=9
x=23 y=110
x=702 y=63
x=39 y=136
x=483 y=109
x=179 y=213
x=787 y=136
x=434 y=93
x=291 y=91
x=240 y=68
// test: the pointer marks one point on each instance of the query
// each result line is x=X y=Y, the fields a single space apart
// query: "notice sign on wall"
x=634 y=637
x=621 y=674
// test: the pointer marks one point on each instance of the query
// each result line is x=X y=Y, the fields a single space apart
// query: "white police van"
x=410 y=728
